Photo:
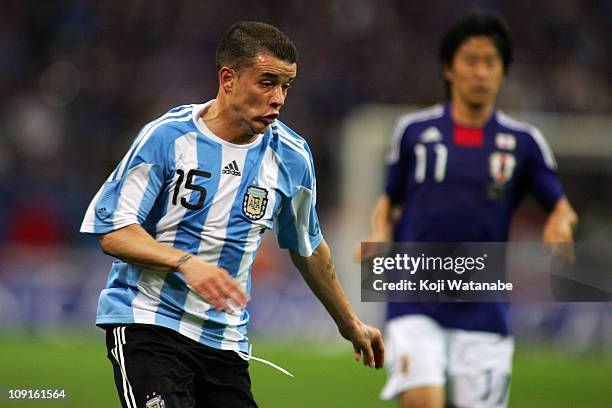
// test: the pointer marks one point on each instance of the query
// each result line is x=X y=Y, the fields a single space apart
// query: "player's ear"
x=446 y=72
x=226 y=78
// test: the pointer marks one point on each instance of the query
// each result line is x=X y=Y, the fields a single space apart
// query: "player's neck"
x=220 y=122
x=470 y=116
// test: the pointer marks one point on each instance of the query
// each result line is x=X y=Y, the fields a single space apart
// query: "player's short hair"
x=474 y=24
x=246 y=39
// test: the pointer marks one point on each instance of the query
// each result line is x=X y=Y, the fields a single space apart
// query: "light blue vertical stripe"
x=120 y=291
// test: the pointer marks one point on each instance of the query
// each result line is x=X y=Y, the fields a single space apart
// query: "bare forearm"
x=134 y=245
x=384 y=218
x=320 y=274
x=561 y=223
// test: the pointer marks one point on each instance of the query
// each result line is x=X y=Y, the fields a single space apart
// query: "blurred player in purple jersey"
x=455 y=173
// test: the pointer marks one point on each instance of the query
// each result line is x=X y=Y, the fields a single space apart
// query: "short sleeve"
x=397 y=162
x=542 y=179
x=129 y=193
x=297 y=223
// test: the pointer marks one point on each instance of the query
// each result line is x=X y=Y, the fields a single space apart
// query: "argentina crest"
x=255 y=202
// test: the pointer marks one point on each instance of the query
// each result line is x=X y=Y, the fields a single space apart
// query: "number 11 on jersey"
x=441 y=157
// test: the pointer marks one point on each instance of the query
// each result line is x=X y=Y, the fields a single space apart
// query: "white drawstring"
x=250 y=356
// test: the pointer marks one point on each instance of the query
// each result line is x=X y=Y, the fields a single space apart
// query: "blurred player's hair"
x=474 y=24
x=246 y=39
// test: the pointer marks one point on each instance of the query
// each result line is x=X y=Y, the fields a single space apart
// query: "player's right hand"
x=367 y=344
x=370 y=250
x=214 y=284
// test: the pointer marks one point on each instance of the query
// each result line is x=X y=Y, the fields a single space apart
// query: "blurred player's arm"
x=320 y=274
x=134 y=245
x=558 y=232
x=561 y=223
x=384 y=217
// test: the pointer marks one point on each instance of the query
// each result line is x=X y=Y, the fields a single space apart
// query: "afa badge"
x=254 y=203
x=155 y=402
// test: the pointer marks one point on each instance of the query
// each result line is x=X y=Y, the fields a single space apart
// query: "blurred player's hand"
x=370 y=250
x=558 y=233
x=214 y=284
x=367 y=343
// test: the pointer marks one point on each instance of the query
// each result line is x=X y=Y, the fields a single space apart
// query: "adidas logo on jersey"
x=232 y=168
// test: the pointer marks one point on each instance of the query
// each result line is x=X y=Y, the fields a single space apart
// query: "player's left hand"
x=367 y=343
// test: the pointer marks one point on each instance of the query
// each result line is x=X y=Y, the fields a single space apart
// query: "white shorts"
x=474 y=366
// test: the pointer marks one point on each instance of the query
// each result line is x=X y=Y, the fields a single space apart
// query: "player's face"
x=476 y=72
x=260 y=91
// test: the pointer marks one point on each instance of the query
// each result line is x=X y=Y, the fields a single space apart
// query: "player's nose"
x=278 y=98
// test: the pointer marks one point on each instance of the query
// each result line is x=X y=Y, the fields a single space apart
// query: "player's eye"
x=266 y=84
x=286 y=86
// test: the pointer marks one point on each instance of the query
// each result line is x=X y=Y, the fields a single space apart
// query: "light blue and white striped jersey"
x=194 y=191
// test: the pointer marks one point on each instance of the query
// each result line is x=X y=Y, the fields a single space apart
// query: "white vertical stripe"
x=301 y=204
x=215 y=228
x=132 y=193
x=117 y=352
x=130 y=392
x=267 y=178
x=144 y=305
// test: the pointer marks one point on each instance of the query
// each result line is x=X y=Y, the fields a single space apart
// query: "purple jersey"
x=458 y=184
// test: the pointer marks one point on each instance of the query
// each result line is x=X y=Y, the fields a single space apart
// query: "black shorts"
x=156 y=367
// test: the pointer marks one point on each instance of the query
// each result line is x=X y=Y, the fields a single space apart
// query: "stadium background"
x=78 y=79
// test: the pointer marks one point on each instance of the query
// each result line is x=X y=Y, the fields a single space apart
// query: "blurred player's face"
x=259 y=91
x=476 y=73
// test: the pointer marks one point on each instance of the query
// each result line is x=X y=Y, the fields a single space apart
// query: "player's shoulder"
x=509 y=124
x=291 y=149
x=426 y=116
x=526 y=133
x=288 y=142
x=172 y=124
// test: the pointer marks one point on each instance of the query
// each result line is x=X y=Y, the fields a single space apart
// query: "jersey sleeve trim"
x=536 y=135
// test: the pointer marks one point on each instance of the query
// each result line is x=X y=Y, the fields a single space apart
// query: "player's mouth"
x=481 y=89
x=270 y=118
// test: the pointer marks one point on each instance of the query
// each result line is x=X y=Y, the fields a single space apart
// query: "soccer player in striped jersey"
x=455 y=173
x=184 y=213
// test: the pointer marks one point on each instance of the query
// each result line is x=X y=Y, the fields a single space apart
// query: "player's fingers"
x=357 y=354
x=379 y=351
x=236 y=294
x=366 y=348
x=215 y=297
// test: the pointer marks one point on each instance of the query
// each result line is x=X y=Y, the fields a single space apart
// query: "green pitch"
x=323 y=378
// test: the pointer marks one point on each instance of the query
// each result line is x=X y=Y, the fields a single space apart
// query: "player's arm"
x=134 y=245
x=384 y=217
x=559 y=229
x=320 y=274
